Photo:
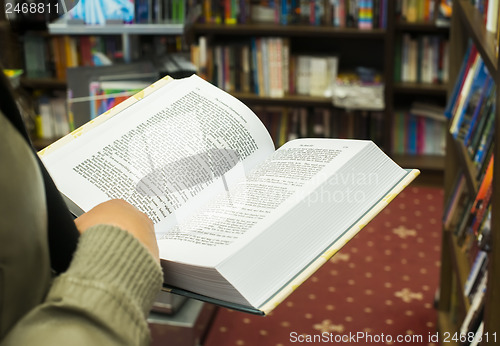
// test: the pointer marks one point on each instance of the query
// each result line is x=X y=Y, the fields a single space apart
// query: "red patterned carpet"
x=379 y=288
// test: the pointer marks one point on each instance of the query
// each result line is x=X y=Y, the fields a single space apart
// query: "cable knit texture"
x=116 y=283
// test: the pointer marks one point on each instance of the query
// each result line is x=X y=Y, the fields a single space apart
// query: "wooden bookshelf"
x=485 y=41
x=62 y=27
x=43 y=83
x=292 y=30
x=355 y=47
x=423 y=27
x=467 y=167
x=401 y=94
x=444 y=323
x=461 y=268
x=424 y=162
x=468 y=23
x=421 y=89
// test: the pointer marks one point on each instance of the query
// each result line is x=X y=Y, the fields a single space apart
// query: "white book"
x=237 y=222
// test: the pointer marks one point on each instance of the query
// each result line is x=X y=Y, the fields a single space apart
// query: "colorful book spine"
x=365 y=20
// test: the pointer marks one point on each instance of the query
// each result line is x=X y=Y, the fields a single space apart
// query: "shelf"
x=43 y=83
x=422 y=162
x=424 y=26
x=63 y=28
x=40 y=143
x=484 y=41
x=295 y=30
x=461 y=267
x=287 y=100
x=66 y=27
x=420 y=88
x=444 y=324
x=468 y=168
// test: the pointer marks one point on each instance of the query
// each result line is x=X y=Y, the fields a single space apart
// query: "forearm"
x=102 y=298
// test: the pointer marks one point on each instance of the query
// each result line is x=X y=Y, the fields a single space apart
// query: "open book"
x=238 y=223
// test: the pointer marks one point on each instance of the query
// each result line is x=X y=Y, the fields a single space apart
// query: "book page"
x=271 y=189
x=166 y=154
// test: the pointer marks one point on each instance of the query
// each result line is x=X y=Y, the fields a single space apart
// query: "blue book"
x=456 y=89
x=482 y=99
x=486 y=137
x=471 y=100
x=412 y=134
x=255 y=72
x=284 y=12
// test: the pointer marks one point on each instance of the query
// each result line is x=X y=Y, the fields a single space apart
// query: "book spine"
x=456 y=89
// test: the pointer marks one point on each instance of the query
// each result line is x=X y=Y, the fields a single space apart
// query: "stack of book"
x=50 y=56
x=419 y=130
x=265 y=66
x=472 y=110
x=421 y=59
x=285 y=124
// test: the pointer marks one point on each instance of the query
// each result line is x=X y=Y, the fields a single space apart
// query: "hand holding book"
x=119 y=213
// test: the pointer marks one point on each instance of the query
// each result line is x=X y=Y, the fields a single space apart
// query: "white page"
x=162 y=140
x=276 y=185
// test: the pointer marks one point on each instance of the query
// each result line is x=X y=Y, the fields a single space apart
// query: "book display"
x=468 y=298
x=274 y=54
x=82 y=38
x=421 y=64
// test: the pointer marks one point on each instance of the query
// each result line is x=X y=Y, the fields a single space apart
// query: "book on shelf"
x=482 y=143
x=413 y=11
x=472 y=109
x=100 y=13
x=362 y=14
x=479 y=333
x=84 y=85
x=129 y=12
x=468 y=215
x=421 y=59
x=287 y=123
x=52 y=119
x=480 y=109
x=35 y=62
x=51 y=56
x=483 y=198
x=470 y=96
x=477 y=275
x=463 y=220
x=444 y=13
x=265 y=67
x=238 y=223
x=419 y=131
x=462 y=97
x=469 y=57
x=476 y=296
x=491 y=22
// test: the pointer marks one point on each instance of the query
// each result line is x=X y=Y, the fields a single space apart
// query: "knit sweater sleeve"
x=102 y=299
